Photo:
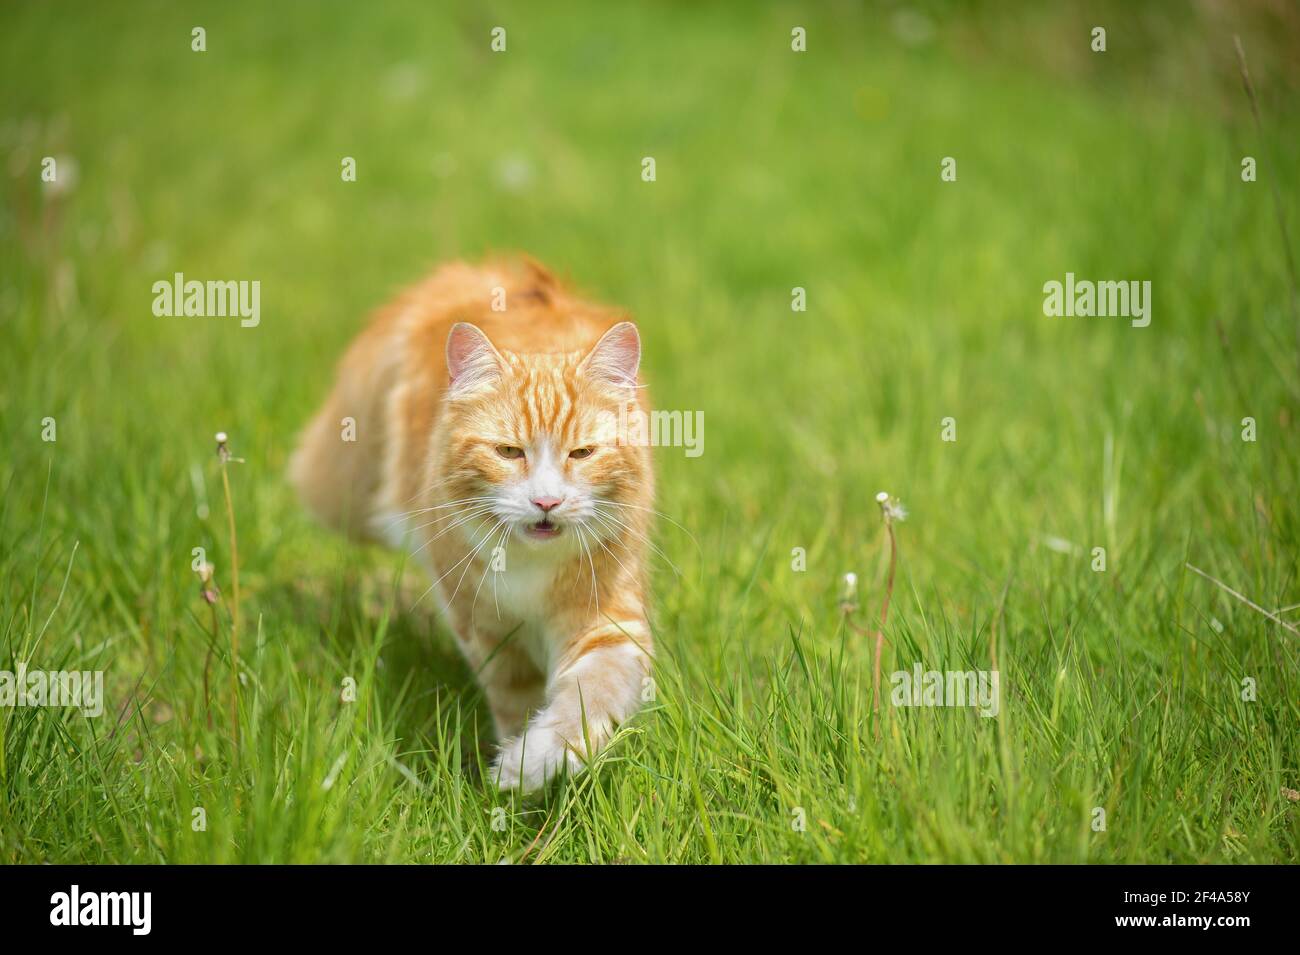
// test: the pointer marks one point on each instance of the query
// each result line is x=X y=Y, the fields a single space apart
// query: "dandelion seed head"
x=891 y=508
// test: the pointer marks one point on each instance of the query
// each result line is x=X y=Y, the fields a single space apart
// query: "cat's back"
x=519 y=304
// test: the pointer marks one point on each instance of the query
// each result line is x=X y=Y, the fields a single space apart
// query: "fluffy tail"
x=338 y=466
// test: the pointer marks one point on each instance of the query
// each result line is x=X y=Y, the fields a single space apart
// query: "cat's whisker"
x=472 y=554
x=482 y=511
x=464 y=512
x=596 y=537
x=430 y=488
x=614 y=516
x=436 y=507
x=468 y=509
x=441 y=507
x=505 y=561
x=656 y=513
x=614 y=533
x=488 y=567
x=582 y=537
x=444 y=575
x=609 y=519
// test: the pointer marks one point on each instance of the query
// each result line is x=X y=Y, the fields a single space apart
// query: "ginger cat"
x=486 y=402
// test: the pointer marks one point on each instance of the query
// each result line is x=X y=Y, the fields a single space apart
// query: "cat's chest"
x=523 y=592
x=524 y=588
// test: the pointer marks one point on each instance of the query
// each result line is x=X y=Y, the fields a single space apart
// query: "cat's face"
x=534 y=440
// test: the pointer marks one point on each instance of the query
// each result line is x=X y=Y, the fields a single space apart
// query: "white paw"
x=533 y=759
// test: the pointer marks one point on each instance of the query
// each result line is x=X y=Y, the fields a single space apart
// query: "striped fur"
x=442 y=388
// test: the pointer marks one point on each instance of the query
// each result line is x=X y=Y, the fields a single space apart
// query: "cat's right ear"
x=472 y=362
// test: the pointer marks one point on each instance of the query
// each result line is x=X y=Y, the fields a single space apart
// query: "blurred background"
x=775 y=169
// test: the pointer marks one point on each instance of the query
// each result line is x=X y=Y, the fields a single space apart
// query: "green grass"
x=1120 y=690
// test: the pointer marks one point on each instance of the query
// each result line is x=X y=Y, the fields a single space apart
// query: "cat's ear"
x=472 y=362
x=616 y=357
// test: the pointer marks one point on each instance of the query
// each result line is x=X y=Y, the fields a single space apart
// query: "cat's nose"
x=546 y=503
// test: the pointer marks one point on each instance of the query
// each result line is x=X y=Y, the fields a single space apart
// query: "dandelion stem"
x=884 y=618
x=234 y=610
x=207 y=663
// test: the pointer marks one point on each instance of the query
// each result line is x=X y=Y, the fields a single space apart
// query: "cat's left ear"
x=616 y=357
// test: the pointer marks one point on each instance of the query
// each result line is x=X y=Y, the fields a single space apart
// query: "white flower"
x=891 y=508
x=849 y=590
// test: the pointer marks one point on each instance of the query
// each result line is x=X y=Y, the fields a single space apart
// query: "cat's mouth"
x=543 y=529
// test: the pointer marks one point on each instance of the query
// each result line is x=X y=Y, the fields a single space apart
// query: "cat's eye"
x=509 y=451
x=581 y=452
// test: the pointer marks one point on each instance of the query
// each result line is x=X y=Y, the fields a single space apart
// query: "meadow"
x=1146 y=713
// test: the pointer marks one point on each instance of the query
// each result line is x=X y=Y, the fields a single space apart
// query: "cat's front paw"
x=533 y=759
